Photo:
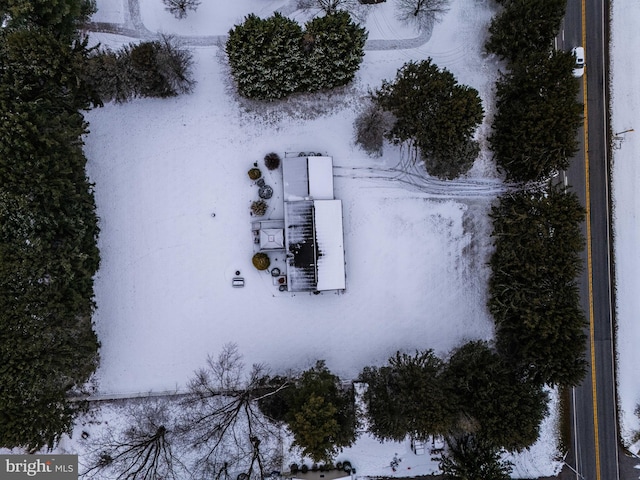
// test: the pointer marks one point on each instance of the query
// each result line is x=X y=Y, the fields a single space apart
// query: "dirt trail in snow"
x=134 y=27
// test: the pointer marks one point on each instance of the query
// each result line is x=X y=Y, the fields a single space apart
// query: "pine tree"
x=534 y=297
x=470 y=457
x=513 y=34
x=408 y=397
x=335 y=47
x=433 y=114
x=332 y=426
x=495 y=402
x=48 y=233
x=537 y=117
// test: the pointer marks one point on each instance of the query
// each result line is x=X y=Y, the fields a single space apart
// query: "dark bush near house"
x=272 y=161
x=259 y=208
x=272 y=58
x=254 y=173
x=293 y=468
x=304 y=468
x=261 y=261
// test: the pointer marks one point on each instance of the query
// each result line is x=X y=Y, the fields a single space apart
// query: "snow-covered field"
x=415 y=256
x=416 y=265
x=626 y=179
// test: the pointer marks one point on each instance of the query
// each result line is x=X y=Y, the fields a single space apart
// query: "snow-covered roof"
x=320 y=172
x=295 y=178
x=271 y=239
x=307 y=178
x=314 y=245
x=330 y=244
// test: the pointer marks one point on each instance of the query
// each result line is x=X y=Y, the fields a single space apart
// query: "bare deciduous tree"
x=222 y=421
x=145 y=449
x=371 y=126
x=328 y=7
x=421 y=14
x=179 y=8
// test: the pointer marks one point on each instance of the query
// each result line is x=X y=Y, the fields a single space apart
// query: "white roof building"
x=313 y=231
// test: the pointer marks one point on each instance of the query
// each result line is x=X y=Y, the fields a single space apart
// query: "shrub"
x=304 y=468
x=259 y=208
x=254 y=173
x=265 y=56
x=371 y=127
x=148 y=69
x=272 y=160
x=273 y=58
x=261 y=261
x=293 y=468
x=335 y=51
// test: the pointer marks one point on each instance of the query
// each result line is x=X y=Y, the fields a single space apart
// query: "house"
x=312 y=233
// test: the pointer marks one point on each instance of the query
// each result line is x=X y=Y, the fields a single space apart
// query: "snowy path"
x=134 y=27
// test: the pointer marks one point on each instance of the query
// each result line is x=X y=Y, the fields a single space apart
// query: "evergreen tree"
x=322 y=414
x=273 y=58
x=335 y=48
x=495 y=402
x=265 y=56
x=533 y=293
x=62 y=17
x=537 y=117
x=408 y=397
x=48 y=233
x=471 y=458
x=433 y=114
x=523 y=27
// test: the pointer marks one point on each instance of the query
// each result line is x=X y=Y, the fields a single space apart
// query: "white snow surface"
x=626 y=179
x=416 y=258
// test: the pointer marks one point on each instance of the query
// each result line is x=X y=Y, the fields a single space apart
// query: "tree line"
x=48 y=222
x=232 y=421
x=538 y=114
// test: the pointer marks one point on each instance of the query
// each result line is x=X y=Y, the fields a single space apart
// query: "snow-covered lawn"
x=415 y=260
x=416 y=265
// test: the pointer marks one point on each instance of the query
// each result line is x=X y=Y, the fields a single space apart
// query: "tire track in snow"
x=416 y=180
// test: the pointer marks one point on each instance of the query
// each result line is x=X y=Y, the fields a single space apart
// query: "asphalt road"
x=594 y=454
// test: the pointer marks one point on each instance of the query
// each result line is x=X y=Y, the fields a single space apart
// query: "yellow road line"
x=589 y=261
